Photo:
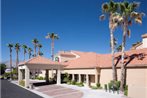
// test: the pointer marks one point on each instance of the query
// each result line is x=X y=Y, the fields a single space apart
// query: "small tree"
x=3 y=68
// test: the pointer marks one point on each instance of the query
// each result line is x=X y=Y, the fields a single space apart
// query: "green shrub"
x=126 y=87
x=98 y=85
x=126 y=90
x=65 y=79
x=79 y=84
x=15 y=77
x=94 y=87
x=7 y=74
x=109 y=86
x=73 y=82
x=40 y=78
x=117 y=84
x=69 y=82
x=105 y=86
x=22 y=83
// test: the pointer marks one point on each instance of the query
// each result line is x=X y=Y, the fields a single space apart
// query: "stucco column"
x=19 y=75
x=58 y=76
x=79 y=77
x=52 y=72
x=87 y=80
x=96 y=76
x=27 y=76
x=47 y=75
x=73 y=77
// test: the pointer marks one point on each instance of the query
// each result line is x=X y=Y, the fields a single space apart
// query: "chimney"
x=144 y=40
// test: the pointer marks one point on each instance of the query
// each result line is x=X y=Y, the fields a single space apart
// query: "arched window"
x=57 y=59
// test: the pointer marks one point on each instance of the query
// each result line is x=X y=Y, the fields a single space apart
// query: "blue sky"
x=75 y=21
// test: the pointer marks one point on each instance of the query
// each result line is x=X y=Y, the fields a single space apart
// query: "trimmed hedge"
x=79 y=84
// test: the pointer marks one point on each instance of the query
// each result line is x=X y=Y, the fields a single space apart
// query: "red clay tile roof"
x=133 y=58
x=40 y=60
x=86 y=60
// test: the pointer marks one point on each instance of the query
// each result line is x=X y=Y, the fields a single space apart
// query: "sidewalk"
x=90 y=93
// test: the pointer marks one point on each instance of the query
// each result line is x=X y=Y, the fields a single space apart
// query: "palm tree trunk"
x=52 y=53
x=52 y=49
x=35 y=50
x=29 y=55
x=11 y=62
x=38 y=51
x=17 y=59
x=24 y=56
x=122 y=58
x=114 y=73
x=112 y=53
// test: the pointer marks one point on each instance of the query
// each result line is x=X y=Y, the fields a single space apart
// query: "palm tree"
x=53 y=37
x=10 y=46
x=17 y=48
x=119 y=48
x=29 y=52
x=39 y=47
x=25 y=51
x=129 y=14
x=110 y=10
x=35 y=42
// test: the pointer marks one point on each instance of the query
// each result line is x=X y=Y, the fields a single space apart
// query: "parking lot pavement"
x=57 y=91
x=10 y=90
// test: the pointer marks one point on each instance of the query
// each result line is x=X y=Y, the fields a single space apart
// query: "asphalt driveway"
x=9 y=90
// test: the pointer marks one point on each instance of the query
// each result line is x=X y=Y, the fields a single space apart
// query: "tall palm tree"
x=29 y=52
x=53 y=37
x=17 y=48
x=110 y=9
x=10 y=46
x=35 y=42
x=129 y=14
x=39 y=47
x=25 y=50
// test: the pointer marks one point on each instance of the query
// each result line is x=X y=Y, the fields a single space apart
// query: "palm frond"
x=138 y=20
x=102 y=17
x=135 y=5
x=133 y=14
x=35 y=41
x=126 y=4
x=122 y=7
x=105 y=7
x=10 y=45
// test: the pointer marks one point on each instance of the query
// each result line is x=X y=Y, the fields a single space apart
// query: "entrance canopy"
x=41 y=63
